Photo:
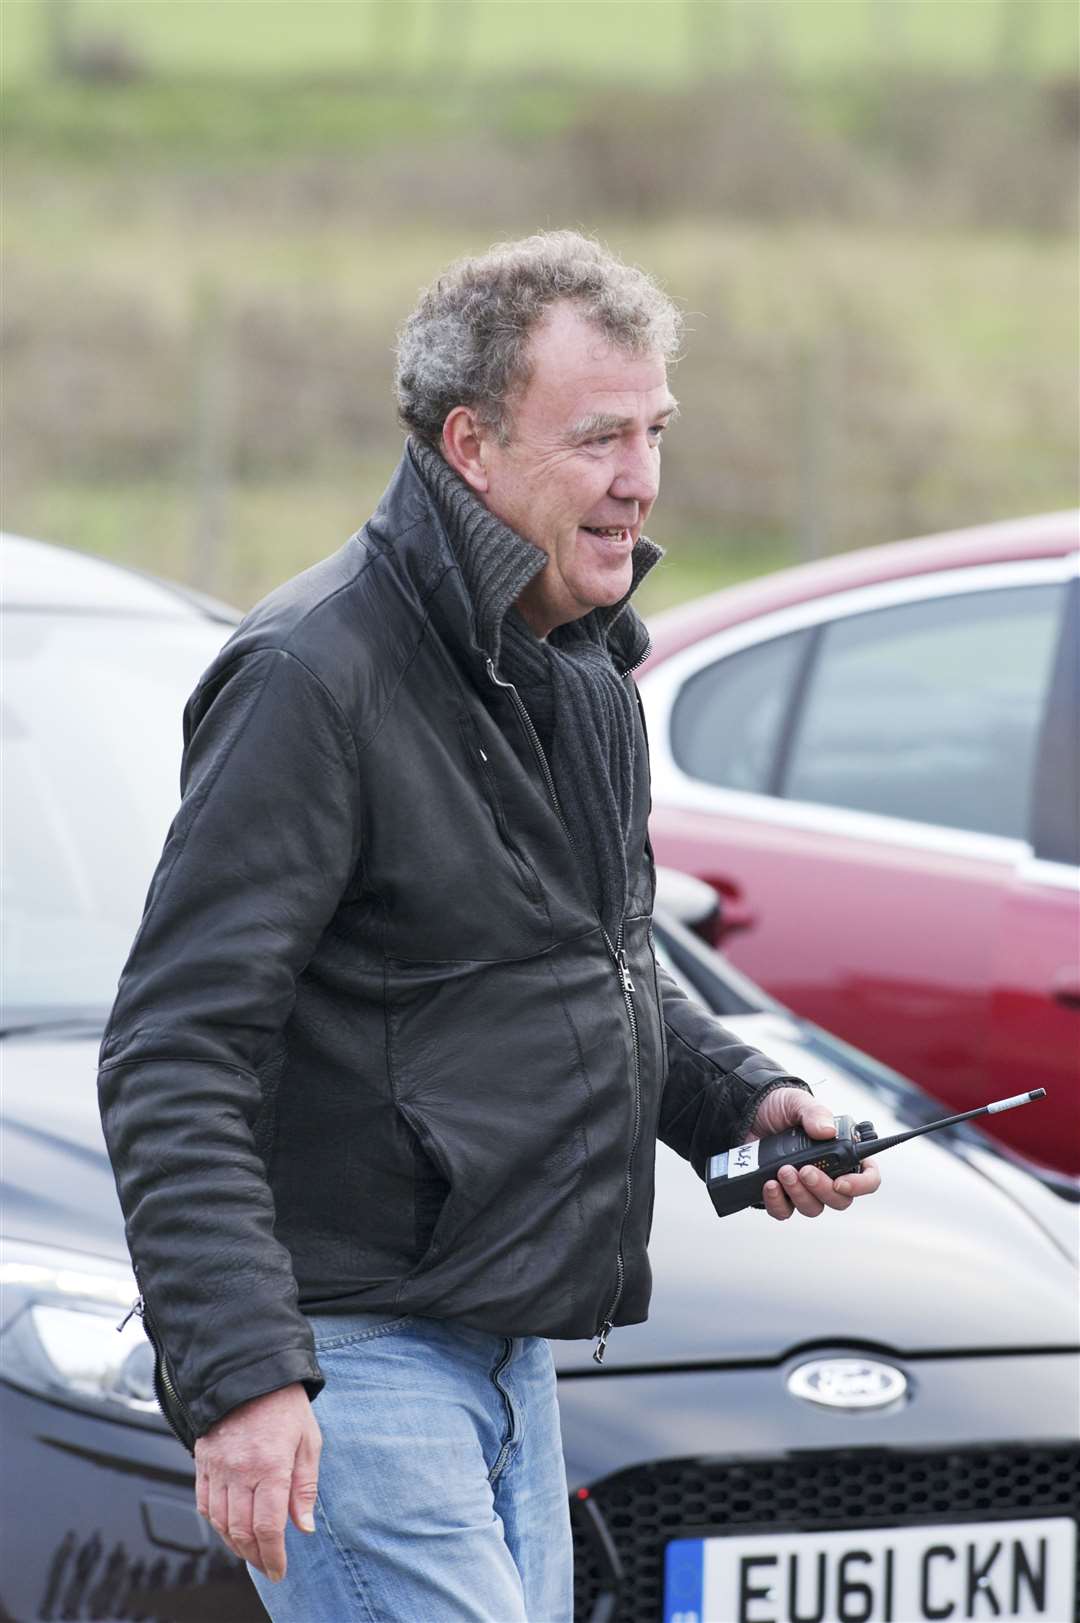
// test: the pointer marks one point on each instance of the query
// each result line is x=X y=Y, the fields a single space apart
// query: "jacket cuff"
x=745 y=1119
x=254 y=1381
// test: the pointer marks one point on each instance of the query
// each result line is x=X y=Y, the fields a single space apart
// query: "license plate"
x=1004 y=1570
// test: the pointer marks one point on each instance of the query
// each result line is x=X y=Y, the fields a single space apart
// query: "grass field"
x=608 y=41
x=948 y=394
x=210 y=241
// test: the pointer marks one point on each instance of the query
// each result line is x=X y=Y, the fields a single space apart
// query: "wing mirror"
x=694 y=903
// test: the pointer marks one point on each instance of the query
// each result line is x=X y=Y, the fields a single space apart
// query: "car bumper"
x=662 y=1455
x=98 y=1522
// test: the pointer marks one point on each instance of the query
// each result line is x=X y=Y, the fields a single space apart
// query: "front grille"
x=640 y=1509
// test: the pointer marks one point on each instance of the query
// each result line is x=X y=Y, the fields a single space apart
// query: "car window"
x=930 y=711
x=726 y=723
x=91 y=736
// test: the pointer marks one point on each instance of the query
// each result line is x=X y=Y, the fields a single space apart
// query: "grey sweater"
x=573 y=683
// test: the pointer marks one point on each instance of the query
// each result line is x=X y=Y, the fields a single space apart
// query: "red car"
x=875 y=760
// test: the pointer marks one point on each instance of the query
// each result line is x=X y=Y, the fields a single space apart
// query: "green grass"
x=217 y=83
x=653 y=42
x=693 y=566
x=950 y=365
x=279 y=526
x=271 y=163
x=221 y=121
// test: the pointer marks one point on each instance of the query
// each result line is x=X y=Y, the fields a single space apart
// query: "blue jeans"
x=442 y=1493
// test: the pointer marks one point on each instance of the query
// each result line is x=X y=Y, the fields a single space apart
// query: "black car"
x=872 y=1418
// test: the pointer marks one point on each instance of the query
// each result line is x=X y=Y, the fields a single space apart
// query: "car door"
x=1035 y=1003
x=855 y=775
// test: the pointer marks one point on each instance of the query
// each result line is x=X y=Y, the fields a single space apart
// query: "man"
x=391 y=1052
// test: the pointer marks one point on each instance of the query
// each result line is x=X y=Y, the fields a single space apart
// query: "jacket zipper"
x=617 y=954
x=172 y=1406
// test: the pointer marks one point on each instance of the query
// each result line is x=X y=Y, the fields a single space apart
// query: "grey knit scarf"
x=571 y=683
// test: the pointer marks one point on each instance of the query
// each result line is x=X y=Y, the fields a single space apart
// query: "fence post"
x=890 y=40
x=814 y=409
x=1018 y=24
x=708 y=38
x=58 y=17
x=391 y=39
x=451 y=37
x=211 y=447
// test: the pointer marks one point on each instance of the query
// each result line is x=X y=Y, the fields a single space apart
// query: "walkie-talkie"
x=736 y=1177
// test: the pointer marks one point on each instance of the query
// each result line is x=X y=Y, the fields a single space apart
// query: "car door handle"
x=1066 y=988
x=735 y=912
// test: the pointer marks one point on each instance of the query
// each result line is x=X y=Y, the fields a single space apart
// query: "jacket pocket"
x=431 y=1192
x=492 y=1070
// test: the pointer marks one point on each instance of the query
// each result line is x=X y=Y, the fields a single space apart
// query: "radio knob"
x=865 y=1131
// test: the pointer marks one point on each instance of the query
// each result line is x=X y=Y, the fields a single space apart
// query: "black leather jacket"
x=371 y=1048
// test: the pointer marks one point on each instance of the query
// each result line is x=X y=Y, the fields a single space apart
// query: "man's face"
x=582 y=469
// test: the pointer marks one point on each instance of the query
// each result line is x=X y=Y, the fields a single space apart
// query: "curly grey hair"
x=467 y=341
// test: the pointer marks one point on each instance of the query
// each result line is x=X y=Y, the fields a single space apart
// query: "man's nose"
x=637 y=477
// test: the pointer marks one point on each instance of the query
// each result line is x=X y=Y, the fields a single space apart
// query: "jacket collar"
x=423 y=505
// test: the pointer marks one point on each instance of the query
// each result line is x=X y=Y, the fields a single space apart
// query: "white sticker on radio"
x=743 y=1159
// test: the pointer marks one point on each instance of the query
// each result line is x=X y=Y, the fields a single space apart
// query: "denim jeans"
x=442 y=1493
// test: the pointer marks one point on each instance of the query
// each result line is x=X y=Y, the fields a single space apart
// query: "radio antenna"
x=873 y=1146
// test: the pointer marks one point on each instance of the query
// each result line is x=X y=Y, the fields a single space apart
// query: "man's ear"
x=463 y=447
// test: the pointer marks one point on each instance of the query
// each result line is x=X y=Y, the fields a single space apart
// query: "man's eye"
x=657 y=430
x=602 y=439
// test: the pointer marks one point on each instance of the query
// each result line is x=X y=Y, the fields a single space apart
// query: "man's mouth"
x=611 y=533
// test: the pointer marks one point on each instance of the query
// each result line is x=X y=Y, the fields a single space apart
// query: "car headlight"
x=60 y=1313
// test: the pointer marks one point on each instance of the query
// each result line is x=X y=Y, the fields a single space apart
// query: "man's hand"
x=808 y=1190
x=256 y=1467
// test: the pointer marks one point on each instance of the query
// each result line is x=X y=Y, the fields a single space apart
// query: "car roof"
x=42 y=575
x=1049 y=535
